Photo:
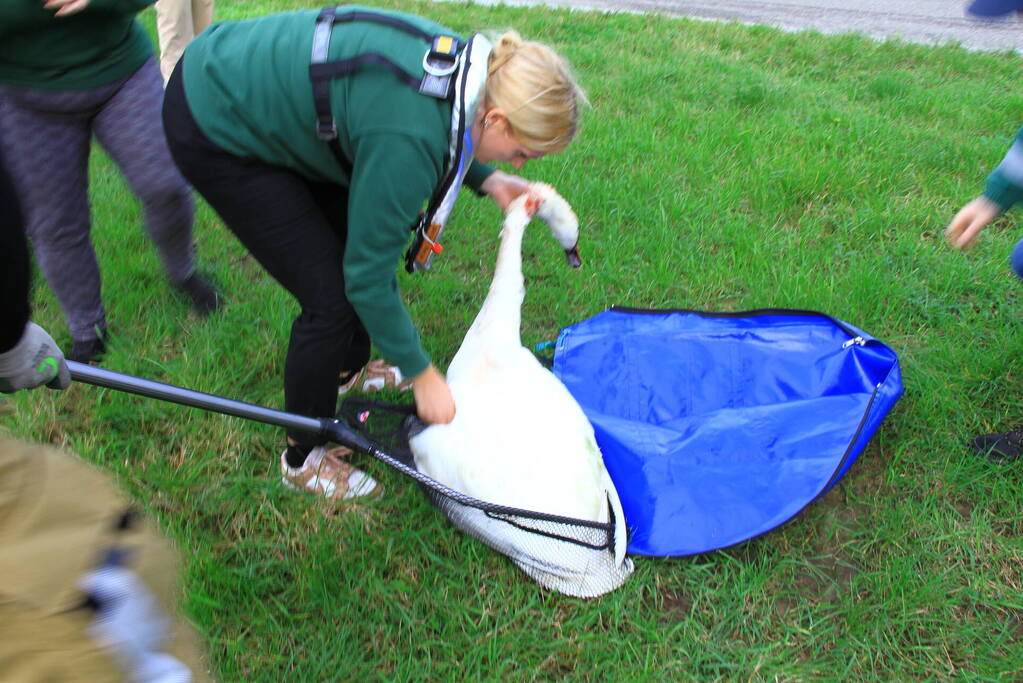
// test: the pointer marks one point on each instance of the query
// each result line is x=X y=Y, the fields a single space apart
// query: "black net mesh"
x=574 y=556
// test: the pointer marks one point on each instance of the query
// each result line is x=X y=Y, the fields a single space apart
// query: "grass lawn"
x=721 y=167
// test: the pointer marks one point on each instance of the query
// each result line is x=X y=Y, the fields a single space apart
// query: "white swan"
x=519 y=438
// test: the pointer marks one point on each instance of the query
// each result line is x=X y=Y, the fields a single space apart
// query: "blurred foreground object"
x=87 y=587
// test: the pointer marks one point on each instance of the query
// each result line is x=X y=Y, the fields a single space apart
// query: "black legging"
x=14 y=265
x=296 y=229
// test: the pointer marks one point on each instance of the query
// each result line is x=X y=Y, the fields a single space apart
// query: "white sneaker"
x=374 y=376
x=326 y=474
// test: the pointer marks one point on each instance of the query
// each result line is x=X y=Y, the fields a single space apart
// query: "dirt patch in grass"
x=814 y=554
x=822 y=578
x=1009 y=528
x=824 y=562
x=674 y=605
x=1014 y=625
x=865 y=480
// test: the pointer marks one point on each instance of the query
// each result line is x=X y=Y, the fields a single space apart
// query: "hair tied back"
x=505 y=48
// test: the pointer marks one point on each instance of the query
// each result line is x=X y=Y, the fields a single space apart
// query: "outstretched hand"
x=971 y=219
x=503 y=188
x=35 y=360
x=434 y=402
x=65 y=7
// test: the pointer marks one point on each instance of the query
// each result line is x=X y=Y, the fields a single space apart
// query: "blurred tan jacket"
x=58 y=518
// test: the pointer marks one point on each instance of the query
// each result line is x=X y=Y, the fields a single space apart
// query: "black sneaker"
x=204 y=296
x=1004 y=447
x=88 y=350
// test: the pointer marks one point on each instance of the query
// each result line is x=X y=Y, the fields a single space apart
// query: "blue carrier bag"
x=719 y=427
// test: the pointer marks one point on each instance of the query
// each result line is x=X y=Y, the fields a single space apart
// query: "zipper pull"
x=859 y=341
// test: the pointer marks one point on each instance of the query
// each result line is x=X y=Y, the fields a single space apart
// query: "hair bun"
x=504 y=48
x=536 y=90
x=509 y=40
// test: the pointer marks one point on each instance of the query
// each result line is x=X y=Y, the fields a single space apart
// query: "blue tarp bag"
x=719 y=427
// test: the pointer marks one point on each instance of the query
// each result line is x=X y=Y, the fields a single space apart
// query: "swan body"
x=519 y=438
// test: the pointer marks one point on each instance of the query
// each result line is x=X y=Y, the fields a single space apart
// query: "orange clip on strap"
x=429 y=245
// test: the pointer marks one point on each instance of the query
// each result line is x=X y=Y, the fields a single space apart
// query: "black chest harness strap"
x=451 y=72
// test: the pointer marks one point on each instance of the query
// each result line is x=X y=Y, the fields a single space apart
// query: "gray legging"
x=46 y=136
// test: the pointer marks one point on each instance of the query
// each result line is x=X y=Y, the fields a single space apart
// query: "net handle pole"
x=88 y=374
x=332 y=428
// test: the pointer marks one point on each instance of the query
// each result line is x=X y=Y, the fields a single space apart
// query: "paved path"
x=918 y=21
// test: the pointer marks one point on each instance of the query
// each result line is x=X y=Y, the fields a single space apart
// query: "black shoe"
x=204 y=296
x=1004 y=447
x=88 y=350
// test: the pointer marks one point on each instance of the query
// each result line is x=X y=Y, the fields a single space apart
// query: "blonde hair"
x=537 y=91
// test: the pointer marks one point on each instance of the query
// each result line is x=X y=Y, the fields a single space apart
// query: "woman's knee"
x=328 y=320
x=166 y=191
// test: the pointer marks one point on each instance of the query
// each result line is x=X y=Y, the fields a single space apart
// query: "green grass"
x=722 y=167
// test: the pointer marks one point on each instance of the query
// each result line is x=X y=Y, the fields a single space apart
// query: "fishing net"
x=574 y=556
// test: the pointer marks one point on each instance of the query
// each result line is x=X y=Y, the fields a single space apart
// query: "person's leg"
x=16 y=275
x=46 y=139
x=282 y=219
x=1004 y=446
x=1016 y=259
x=336 y=212
x=174 y=30
x=130 y=128
x=202 y=15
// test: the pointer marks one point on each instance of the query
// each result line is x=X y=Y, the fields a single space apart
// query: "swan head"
x=543 y=200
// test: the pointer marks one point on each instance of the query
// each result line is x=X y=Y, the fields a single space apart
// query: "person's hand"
x=434 y=402
x=504 y=187
x=970 y=220
x=65 y=7
x=35 y=360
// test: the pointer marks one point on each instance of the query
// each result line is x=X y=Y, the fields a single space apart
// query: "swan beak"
x=573 y=256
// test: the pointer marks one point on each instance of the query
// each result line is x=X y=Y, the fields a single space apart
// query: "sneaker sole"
x=288 y=484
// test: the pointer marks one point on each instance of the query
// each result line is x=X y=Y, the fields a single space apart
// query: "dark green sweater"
x=95 y=47
x=1005 y=184
x=247 y=84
